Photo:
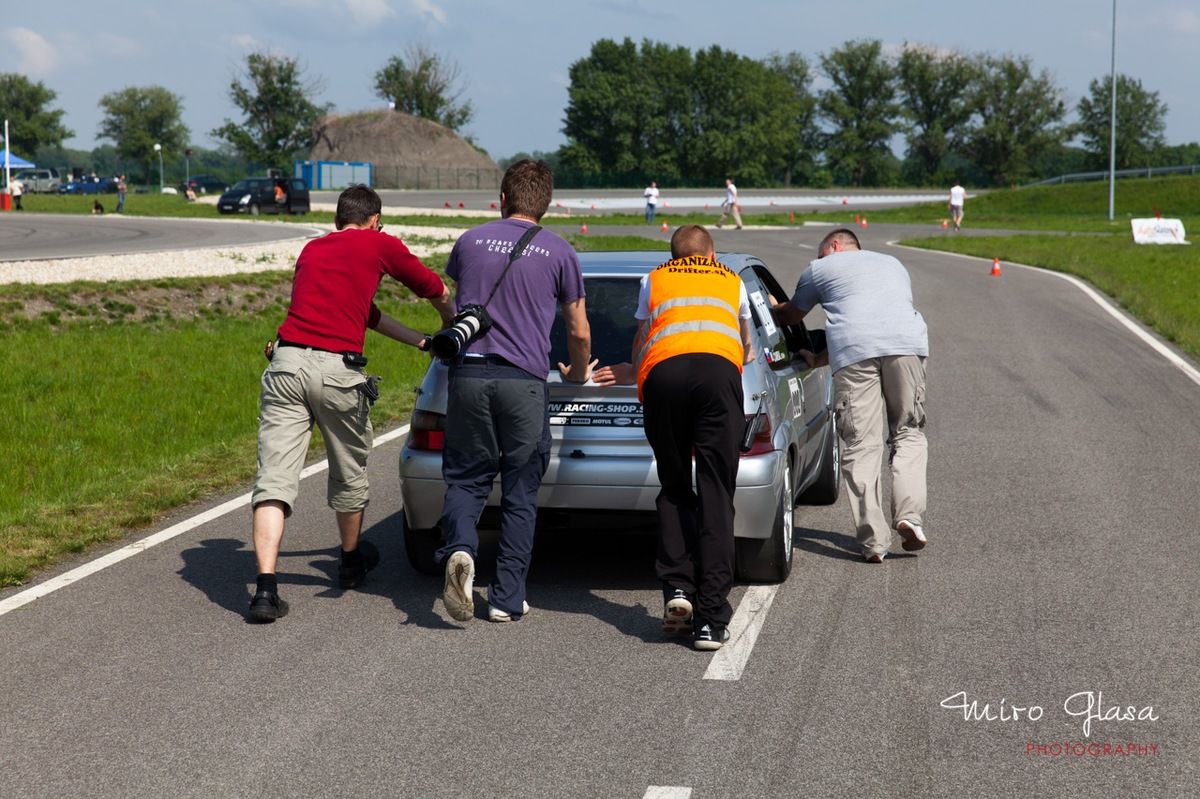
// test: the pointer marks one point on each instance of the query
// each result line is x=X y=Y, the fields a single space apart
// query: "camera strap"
x=517 y=249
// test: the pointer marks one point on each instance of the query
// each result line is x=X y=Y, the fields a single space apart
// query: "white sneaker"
x=913 y=535
x=500 y=616
x=458 y=593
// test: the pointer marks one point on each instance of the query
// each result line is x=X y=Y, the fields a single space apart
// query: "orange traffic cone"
x=492 y=206
x=845 y=201
x=664 y=226
x=460 y=205
x=995 y=267
x=864 y=223
x=792 y=216
x=447 y=203
x=583 y=228
x=945 y=223
x=857 y=219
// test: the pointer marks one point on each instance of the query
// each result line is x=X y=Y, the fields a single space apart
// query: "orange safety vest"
x=693 y=308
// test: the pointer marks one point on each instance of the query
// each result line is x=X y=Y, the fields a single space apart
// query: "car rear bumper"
x=588 y=484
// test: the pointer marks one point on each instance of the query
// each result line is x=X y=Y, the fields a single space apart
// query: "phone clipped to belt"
x=355 y=360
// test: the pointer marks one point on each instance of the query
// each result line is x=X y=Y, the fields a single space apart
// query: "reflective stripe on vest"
x=693 y=309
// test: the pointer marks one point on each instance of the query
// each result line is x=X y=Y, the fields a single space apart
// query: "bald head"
x=838 y=240
x=692 y=240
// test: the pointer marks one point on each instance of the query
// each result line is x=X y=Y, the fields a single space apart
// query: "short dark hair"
x=844 y=235
x=527 y=187
x=691 y=240
x=356 y=205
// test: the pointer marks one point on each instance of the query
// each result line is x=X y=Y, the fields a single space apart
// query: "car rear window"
x=610 y=304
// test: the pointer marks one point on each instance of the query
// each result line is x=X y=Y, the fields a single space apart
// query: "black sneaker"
x=351 y=575
x=266 y=606
x=677 y=613
x=709 y=637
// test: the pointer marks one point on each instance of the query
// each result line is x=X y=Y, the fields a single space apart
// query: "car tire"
x=769 y=560
x=254 y=209
x=828 y=486
x=421 y=546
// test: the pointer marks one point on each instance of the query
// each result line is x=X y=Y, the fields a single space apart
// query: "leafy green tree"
x=935 y=88
x=1141 y=122
x=31 y=124
x=1020 y=117
x=137 y=118
x=422 y=84
x=805 y=149
x=862 y=111
x=279 y=116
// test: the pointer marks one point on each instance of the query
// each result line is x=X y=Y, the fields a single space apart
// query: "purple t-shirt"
x=522 y=311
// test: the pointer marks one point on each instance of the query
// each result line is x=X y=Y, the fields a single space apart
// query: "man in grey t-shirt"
x=877 y=346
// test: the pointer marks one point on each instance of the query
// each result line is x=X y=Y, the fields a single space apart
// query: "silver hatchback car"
x=602 y=475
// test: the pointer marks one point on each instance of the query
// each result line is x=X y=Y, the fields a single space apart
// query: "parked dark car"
x=89 y=185
x=256 y=196
x=204 y=184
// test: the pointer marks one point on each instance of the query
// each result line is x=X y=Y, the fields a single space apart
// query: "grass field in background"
x=1159 y=284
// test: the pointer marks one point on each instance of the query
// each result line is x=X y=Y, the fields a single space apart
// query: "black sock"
x=351 y=558
x=267 y=582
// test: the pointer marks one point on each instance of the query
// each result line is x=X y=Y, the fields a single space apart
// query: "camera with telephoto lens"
x=471 y=321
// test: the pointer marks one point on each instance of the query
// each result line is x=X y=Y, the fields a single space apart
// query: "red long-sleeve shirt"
x=334 y=287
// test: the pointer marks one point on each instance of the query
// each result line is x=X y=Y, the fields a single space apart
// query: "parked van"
x=39 y=179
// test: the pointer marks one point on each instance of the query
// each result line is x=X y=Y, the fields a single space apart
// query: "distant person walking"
x=877 y=346
x=17 y=189
x=651 y=194
x=121 y=189
x=730 y=206
x=958 y=196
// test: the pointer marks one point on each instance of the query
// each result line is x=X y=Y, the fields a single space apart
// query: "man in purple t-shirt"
x=496 y=416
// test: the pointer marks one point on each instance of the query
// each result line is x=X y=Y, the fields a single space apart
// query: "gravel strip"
x=200 y=262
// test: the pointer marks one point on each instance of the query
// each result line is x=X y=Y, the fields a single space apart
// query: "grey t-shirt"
x=867 y=297
x=544 y=277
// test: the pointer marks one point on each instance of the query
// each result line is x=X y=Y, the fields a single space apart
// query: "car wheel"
x=254 y=209
x=421 y=546
x=769 y=560
x=828 y=485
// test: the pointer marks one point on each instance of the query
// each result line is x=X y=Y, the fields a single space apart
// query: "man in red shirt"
x=316 y=376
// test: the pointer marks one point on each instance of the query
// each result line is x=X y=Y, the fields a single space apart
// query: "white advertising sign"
x=1158 y=231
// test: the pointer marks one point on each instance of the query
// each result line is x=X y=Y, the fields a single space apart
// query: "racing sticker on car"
x=763 y=311
x=596 y=414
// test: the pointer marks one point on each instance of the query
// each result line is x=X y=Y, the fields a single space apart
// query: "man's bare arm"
x=579 y=343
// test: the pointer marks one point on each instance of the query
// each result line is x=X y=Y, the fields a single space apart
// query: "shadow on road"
x=223 y=569
x=827 y=543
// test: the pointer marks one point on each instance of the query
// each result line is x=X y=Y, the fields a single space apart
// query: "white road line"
x=667 y=792
x=91 y=567
x=730 y=660
x=1099 y=299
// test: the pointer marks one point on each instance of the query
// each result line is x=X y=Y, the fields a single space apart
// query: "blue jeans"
x=120 y=201
x=496 y=423
x=650 y=209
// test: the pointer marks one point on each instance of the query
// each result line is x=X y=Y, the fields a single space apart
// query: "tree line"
x=654 y=111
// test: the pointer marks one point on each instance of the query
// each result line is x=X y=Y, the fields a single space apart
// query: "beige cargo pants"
x=864 y=391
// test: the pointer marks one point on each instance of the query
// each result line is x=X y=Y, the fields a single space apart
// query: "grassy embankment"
x=125 y=400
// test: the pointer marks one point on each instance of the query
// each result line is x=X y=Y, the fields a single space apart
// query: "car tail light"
x=428 y=431
x=762 y=442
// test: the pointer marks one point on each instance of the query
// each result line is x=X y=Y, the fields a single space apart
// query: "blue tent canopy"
x=15 y=161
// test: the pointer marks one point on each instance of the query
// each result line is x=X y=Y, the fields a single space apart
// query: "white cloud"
x=245 y=41
x=431 y=9
x=1185 y=20
x=38 y=56
x=368 y=12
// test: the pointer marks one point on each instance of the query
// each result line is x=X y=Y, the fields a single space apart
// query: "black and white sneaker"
x=677 y=613
x=266 y=606
x=354 y=569
x=913 y=535
x=709 y=637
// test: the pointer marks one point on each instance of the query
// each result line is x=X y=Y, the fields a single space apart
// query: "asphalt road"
x=25 y=237
x=1062 y=560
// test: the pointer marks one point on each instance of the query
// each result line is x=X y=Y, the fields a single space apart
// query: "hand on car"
x=571 y=374
x=617 y=374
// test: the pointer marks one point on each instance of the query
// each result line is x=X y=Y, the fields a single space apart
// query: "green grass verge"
x=1157 y=284
x=126 y=412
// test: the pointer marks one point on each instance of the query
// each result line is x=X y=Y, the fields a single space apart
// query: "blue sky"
x=514 y=56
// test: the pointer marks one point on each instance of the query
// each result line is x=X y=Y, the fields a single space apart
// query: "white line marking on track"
x=667 y=792
x=1099 y=299
x=730 y=660
x=103 y=562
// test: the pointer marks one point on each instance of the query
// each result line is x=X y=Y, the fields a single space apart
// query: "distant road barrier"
x=1147 y=172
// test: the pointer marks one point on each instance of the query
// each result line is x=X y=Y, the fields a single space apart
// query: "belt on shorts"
x=485 y=357
x=285 y=343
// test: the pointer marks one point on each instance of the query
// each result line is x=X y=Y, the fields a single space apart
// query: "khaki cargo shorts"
x=299 y=388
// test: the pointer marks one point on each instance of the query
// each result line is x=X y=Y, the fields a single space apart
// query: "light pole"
x=1112 y=124
x=158 y=149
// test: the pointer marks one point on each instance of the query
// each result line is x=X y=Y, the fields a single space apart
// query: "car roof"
x=635 y=263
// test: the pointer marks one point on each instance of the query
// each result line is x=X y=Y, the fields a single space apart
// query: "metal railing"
x=1140 y=172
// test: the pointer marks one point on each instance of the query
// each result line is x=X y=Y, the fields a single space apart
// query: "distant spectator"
x=958 y=197
x=121 y=189
x=17 y=189
x=651 y=195
x=280 y=194
x=97 y=208
x=190 y=193
x=730 y=206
